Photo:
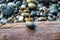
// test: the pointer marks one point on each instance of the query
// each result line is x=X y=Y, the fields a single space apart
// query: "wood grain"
x=44 y=30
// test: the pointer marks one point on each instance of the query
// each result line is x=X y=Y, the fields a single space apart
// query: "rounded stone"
x=28 y=1
x=33 y=13
x=27 y=19
x=20 y=19
x=25 y=14
x=45 y=9
x=23 y=6
x=11 y=4
x=18 y=3
x=41 y=19
x=50 y=18
x=53 y=9
x=30 y=25
x=31 y=5
x=3 y=20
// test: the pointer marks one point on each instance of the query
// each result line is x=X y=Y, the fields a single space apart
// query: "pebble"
x=28 y=19
x=23 y=6
x=29 y=1
x=25 y=14
x=41 y=19
x=30 y=25
x=20 y=19
x=18 y=3
x=1 y=15
x=31 y=5
x=3 y=20
x=11 y=4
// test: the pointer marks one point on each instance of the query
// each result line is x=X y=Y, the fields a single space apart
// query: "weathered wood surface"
x=19 y=31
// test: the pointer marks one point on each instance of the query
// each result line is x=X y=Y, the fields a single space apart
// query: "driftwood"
x=18 y=31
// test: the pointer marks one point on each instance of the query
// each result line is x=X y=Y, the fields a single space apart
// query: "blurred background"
x=16 y=11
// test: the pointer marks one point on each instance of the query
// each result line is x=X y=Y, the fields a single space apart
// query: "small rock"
x=31 y=5
x=30 y=25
